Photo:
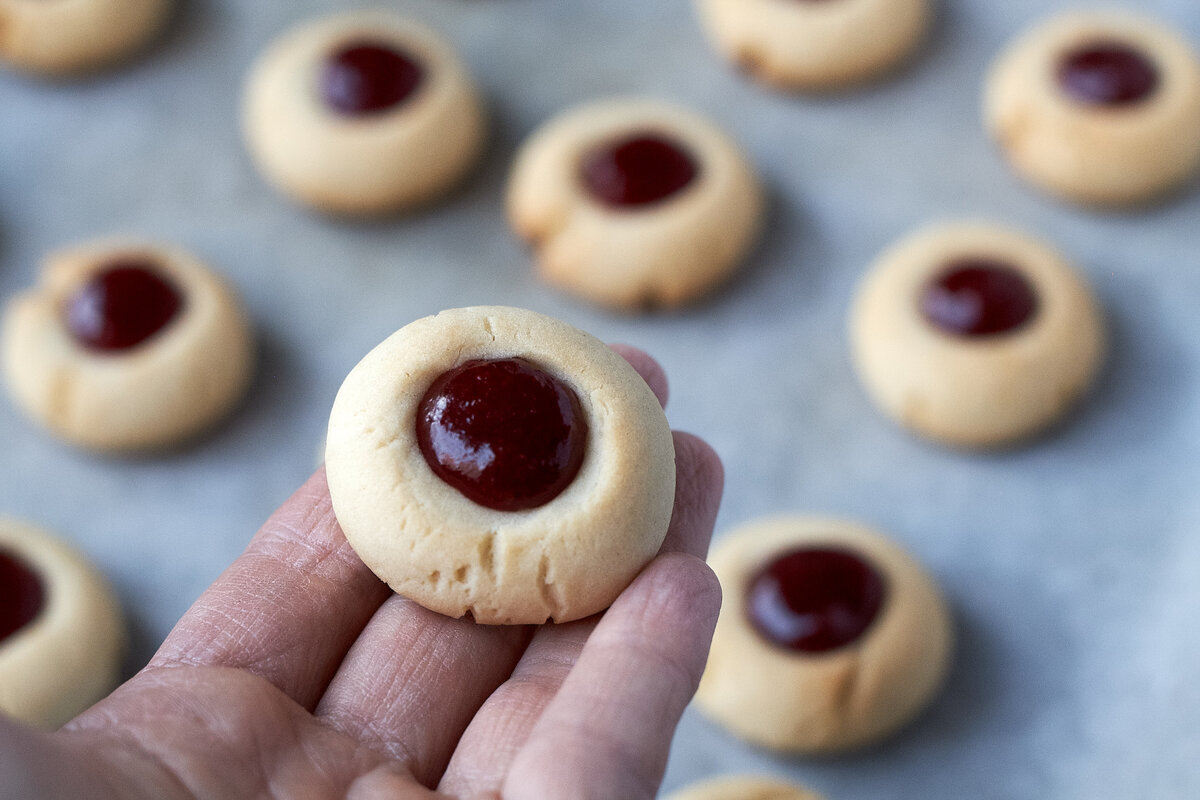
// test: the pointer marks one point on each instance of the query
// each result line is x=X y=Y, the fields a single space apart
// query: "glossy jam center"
x=504 y=433
x=368 y=78
x=978 y=297
x=814 y=599
x=21 y=594
x=122 y=306
x=637 y=170
x=1107 y=74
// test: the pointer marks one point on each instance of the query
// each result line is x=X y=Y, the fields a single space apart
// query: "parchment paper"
x=1073 y=564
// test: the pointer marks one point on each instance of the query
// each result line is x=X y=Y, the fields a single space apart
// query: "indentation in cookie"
x=814 y=599
x=369 y=77
x=1108 y=73
x=978 y=297
x=122 y=305
x=503 y=432
x=22 y=596
x=642 y=168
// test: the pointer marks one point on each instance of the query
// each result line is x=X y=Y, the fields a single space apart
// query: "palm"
x=298 y=674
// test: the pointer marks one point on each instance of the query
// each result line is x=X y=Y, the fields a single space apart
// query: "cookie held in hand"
x=501 y=463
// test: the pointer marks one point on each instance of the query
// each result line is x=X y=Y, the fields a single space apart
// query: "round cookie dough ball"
x=61 y=629
x=64 y=37
x=126 y=346
x=1100 y=108
x=815 y=44
x=498 y=462
x=743 y=787
x=974 y=335
x=634 y=204
x=362 y=113
x=830 y=636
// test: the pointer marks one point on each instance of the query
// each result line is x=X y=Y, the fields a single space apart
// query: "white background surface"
x=1073 y=565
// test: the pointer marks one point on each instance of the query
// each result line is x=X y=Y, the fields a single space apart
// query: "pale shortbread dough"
x=69 y=656
x=564 y=560
x=1096 y=156
x=743 y=787
x=815 y=45
x=833 y=701
x=158 y=393
x=983 y=391
x=63 y=37
x=666 y=254
x=361 y=165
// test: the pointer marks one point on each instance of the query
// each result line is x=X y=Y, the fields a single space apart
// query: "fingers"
x=650 y=370
x=413 y=680
x=607 y=731
x=288 y=608
x=699 y=484
x=502 y=726
x=33 y=764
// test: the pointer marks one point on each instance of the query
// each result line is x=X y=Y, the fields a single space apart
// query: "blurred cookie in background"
x=815 y=44
x=743 y=787
x=974 y=334
x=126 y=345
x=635 y=204
x=1098 y=107
x=60 y=38
x=62 y=634
x=362 y=113
x=830 y=637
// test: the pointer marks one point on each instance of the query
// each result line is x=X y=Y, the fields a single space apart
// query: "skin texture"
x=298 y=674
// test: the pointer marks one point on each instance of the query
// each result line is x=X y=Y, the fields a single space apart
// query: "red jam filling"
x=368 y=78
x=814 y=599
x=978 y=296
x=21 y=595
x=638 y=170
x=122 y=305
x=504 y=433
x=1107 y=74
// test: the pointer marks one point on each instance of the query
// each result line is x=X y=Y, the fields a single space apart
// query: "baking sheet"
x=1072 y=564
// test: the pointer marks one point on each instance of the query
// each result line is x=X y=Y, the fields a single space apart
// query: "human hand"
x=299 y=674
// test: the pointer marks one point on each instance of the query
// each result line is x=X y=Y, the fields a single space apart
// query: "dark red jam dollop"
x=978 y=296
x=503 y=432
x=21 y=594
x=814 y=599
x=122 y=305
x=1107 y=74
x=369 y=78
x=638 y=170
